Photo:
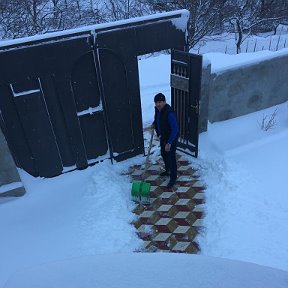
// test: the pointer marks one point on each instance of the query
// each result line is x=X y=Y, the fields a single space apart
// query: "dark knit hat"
x=159 y=97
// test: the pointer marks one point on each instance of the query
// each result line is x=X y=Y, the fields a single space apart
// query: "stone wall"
x=10 y=182
x=244 y=89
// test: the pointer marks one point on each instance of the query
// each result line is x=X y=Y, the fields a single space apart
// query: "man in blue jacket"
x=165 y=123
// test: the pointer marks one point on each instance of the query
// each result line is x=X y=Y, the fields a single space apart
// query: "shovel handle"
x=149 y=150
x=150 y=144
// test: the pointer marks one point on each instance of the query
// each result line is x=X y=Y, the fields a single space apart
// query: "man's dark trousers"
x=169 y=159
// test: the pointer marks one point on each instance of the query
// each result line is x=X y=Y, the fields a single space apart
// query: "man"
x=165 y=124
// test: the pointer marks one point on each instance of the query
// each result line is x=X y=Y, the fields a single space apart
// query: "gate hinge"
x=196 y=107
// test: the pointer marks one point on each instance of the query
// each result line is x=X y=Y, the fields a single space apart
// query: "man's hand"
x=167 y=147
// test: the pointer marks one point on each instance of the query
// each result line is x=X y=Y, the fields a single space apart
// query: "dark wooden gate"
x=71 y=99
x=118 y=110
x=186 y=69
x=51 y=105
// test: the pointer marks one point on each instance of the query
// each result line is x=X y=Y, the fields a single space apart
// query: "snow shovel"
x=141 y=189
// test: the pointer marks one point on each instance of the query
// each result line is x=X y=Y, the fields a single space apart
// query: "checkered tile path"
x=172 y=220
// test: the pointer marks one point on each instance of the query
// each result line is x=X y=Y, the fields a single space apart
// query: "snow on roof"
x=222 y=62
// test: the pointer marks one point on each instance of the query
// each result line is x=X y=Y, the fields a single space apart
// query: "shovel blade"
x=141 y=192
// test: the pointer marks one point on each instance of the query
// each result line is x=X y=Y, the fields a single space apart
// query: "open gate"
x=72 y=98
x=185 y=84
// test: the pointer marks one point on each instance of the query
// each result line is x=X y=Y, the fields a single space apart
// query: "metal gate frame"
x=185 y=82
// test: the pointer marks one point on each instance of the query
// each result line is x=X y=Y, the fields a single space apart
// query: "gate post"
x=10 y=182
x=205 y=93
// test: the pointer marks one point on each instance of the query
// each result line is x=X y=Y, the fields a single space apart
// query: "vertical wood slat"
x=35 y=120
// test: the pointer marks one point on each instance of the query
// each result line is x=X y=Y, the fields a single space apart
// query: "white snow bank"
x=109 y=229
x=149 y=270
x=221 y=62
x=79 y=213
x=245 y=169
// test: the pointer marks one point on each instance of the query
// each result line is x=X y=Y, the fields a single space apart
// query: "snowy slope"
x=245 y=169
x=149 y=270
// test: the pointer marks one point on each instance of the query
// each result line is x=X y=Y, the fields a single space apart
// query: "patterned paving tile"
x=172 y=220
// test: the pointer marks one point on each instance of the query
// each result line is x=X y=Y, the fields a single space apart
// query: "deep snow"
x=245 y=171
x=155 y=270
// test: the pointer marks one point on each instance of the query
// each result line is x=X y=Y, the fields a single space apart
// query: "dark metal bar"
x=179 y=82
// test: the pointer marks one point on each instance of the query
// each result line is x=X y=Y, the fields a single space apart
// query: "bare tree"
x=23 y=17
x=20 y=18
x=269 y=122
x=124 y=9
x=205 y=16
x=246 y=15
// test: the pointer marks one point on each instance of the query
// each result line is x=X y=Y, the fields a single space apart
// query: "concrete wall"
x=204 y=99
x=10 y=182
x=245 y=89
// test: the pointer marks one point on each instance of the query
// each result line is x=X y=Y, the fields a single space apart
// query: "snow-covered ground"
x=84 y=213
x=149 y=270
x=245 y=169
